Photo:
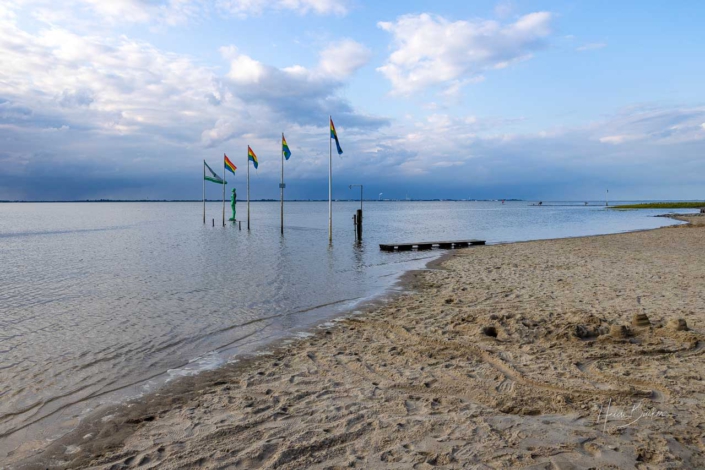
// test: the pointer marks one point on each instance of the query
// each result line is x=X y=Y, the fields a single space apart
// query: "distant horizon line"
x=338 y=200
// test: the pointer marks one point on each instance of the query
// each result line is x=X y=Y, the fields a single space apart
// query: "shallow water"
x=99 y=301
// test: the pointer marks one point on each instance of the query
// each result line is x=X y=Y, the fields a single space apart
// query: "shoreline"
x=172 y=378
x=126 y=418
x=128 y=395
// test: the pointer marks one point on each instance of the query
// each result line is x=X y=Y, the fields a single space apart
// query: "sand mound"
x=640 y=320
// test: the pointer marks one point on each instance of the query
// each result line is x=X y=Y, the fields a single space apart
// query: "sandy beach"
x=572 y=353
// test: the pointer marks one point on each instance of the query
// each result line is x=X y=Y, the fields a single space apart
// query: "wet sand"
x=573 y=353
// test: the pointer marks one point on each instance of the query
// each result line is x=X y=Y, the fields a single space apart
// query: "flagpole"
x=248 y=190
x=223 y=190
x=204 y=191
x=330 y=184
x=282 y=188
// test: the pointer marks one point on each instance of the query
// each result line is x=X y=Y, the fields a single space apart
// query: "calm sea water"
x=99 y=301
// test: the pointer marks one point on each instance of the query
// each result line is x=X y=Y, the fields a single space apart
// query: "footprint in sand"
x=507 y=386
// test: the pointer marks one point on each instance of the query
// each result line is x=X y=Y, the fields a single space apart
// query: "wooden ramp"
x=445 y=245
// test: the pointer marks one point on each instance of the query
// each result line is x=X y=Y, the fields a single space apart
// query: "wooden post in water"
x=213 y=222
x=358 y=219
x=359 y=225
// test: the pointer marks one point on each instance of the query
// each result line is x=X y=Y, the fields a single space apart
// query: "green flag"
x=213 y=177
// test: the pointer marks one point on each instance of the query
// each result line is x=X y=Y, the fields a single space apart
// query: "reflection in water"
x=99 y=297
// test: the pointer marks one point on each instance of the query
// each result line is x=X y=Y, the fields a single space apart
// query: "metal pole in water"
x=223 y=191
x=281 y=186
x=330 y=184
x=204 y=192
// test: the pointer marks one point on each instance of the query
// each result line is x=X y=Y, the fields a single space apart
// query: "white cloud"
x=96 y=89
x=224 y=129
x=620 y=139
x=296 y=92
x=164 y=12
x=591 y=46
x=337 y=62
x=112 y=85
x=244 y=8
x=432 y=51
x=655 y=126
x=449 y=149
x=169 y=12
x=342 y=59
x=127 y=10
x=243 y=69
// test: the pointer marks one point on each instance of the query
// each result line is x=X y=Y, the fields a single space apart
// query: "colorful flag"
x=285 y=148
x=334 y=135
x=229 y=165
x=252 y=157
x=214 y=178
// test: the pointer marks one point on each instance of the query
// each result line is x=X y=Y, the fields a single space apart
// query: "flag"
x=214 y=178
x=285 y=148
x=252 y=157
x=229 y=165
x=334 y=135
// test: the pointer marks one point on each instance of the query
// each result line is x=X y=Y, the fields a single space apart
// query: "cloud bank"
x=99 y=114
x=433 y=51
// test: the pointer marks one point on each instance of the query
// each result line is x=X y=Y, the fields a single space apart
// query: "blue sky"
x=454 y=99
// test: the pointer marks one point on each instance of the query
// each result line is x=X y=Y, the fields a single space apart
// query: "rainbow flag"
x=334 y=135
x=285 y=148
x=252 y=157
x=229 y=165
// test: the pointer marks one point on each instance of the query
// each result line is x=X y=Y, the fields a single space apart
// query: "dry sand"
x=499 y=357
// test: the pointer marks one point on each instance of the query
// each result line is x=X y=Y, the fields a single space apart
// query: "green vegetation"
x=662 y=205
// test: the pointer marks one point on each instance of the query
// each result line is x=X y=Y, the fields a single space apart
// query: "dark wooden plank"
x=449 y=244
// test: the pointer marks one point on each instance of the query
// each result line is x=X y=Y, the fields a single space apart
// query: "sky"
x=549 y=100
